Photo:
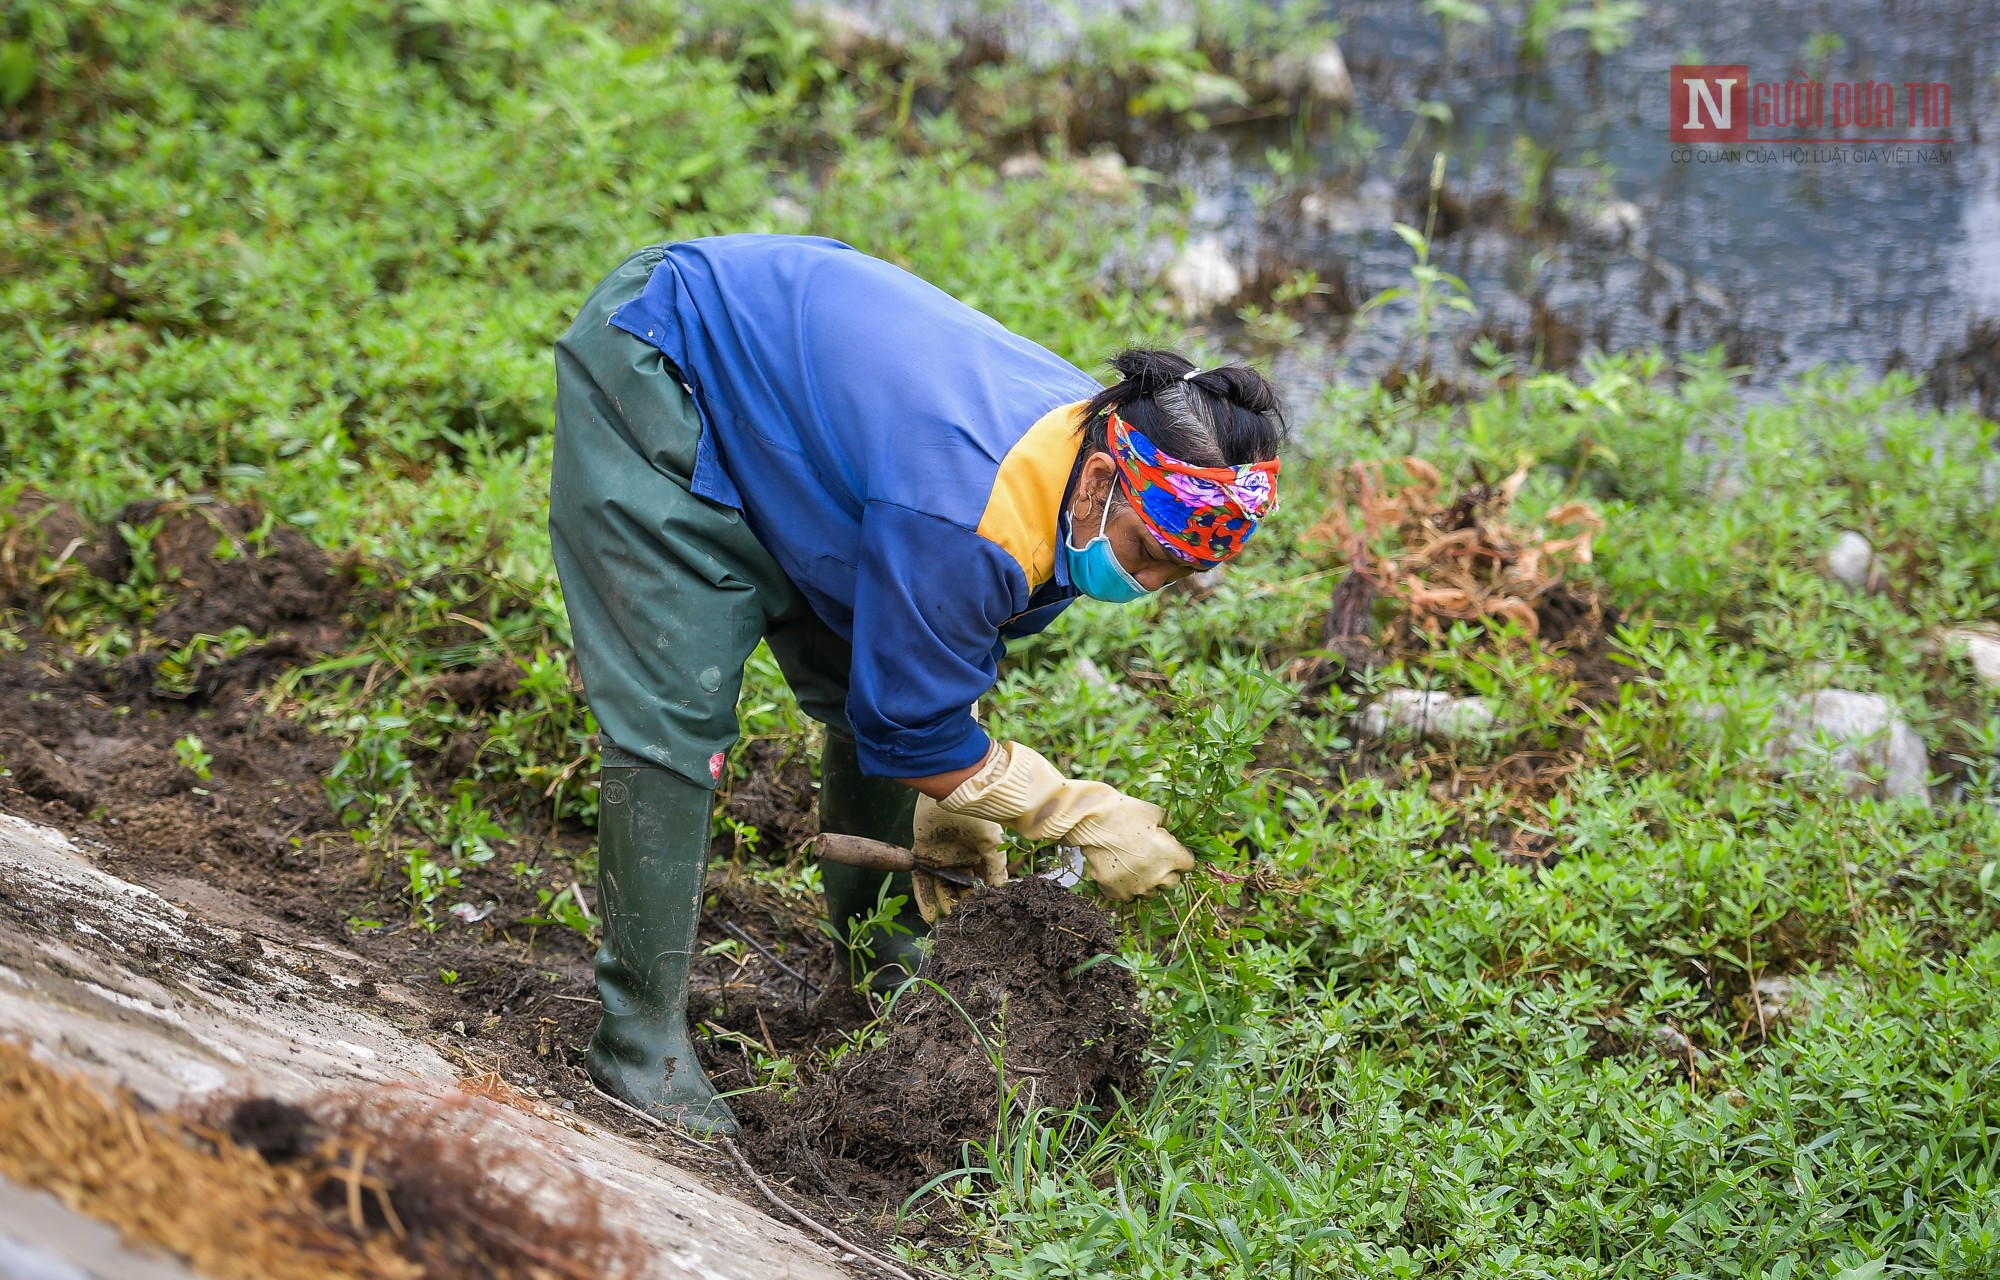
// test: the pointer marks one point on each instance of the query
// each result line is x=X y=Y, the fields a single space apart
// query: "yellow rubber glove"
x=1125 y=849
x=954 y=840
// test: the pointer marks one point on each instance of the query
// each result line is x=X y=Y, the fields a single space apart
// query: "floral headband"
x=1202 y=515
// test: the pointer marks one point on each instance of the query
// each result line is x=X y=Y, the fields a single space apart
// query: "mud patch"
x=480 y=688
x=779 y=798
x=231 y=566
x=1026 y=971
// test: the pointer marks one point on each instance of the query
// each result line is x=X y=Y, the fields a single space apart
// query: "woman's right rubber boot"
x=853 y=804
x=652 y=852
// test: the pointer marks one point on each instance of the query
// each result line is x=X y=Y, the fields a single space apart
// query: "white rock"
x=1672 y=1042
x=1027 y=164
x=1429 y=713
x=786 y=212
x=1091 y=675
x=1320 y=74
x=1208 y=579
x=1613 y=223
x=849 y=32
x=1107 y=174
x=1202 y=278
x=1776 y=999
x=1850 y=560
x=1861 y=735
x=1981 y=648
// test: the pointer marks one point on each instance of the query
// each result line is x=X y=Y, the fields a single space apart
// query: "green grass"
x=314 y=255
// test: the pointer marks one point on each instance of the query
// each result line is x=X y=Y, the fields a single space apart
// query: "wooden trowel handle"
x=876 y=855
x=860 y=851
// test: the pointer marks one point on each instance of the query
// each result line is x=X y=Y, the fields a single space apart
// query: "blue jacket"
x=902 y=456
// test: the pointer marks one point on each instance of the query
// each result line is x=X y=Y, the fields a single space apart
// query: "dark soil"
x=1028 y=964
x=91 y=750
x=102 y=767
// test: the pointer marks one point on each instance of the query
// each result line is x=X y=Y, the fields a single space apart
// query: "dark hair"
x=1249 y=423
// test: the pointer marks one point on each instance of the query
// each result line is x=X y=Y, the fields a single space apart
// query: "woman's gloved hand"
x=1125 y=849
x=954 y=840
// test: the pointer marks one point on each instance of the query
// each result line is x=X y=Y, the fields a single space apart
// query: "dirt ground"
x=90 y=750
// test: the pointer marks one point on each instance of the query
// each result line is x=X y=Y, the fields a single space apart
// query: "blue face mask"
x=1094 y=568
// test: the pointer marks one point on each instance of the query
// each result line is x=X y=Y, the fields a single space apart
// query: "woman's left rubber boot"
x=652 y=852
x=852 y=804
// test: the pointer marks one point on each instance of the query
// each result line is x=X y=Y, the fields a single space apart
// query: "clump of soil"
x=233 y=568
x=1027 y=964
x=480 y=688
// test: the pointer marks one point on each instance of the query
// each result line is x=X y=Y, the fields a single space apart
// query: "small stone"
x=1981 y=649
x=1320 y=74
x=1850 y=560
x=1105 y=173
x=849 y=33
x=1613 y=223
x=1026 y=164
x=1671 y=1041
x=1861 y=735
x=1782 y=999
x=1201 y=277
x=1091 y=676
x=785 y=212
x=1428 y=713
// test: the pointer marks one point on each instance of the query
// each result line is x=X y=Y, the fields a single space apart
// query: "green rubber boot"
x=652 y=849
x=852 y=804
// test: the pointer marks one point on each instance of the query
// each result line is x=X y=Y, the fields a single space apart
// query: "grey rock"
x=1861 y=736
x=1107 y=174
x=1201 y=277
x=1851 y=560
x=1427 y=713
x=1026 y=164
x=786 y=213
x=1612 y=222
x=1670 y=1041
x=1319 y=74
x=1981 y=649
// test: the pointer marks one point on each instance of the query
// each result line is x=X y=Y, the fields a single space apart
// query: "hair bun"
x=1151 y=372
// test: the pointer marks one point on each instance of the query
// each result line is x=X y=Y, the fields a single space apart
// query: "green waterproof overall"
x=668 y=593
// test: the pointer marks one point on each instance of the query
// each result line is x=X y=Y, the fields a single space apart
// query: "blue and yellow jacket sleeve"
x=935 y=603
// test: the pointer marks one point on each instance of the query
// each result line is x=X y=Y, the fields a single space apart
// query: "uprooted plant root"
x=219 y=1205
x=460 y=1190
x=375 y=1184
x=1462 y=559
x=1025 y=973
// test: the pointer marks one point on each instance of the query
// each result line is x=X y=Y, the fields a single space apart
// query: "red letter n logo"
x=1708 y=103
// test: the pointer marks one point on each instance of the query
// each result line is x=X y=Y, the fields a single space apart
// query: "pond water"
x=1880 y=257
x=1876 y=256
